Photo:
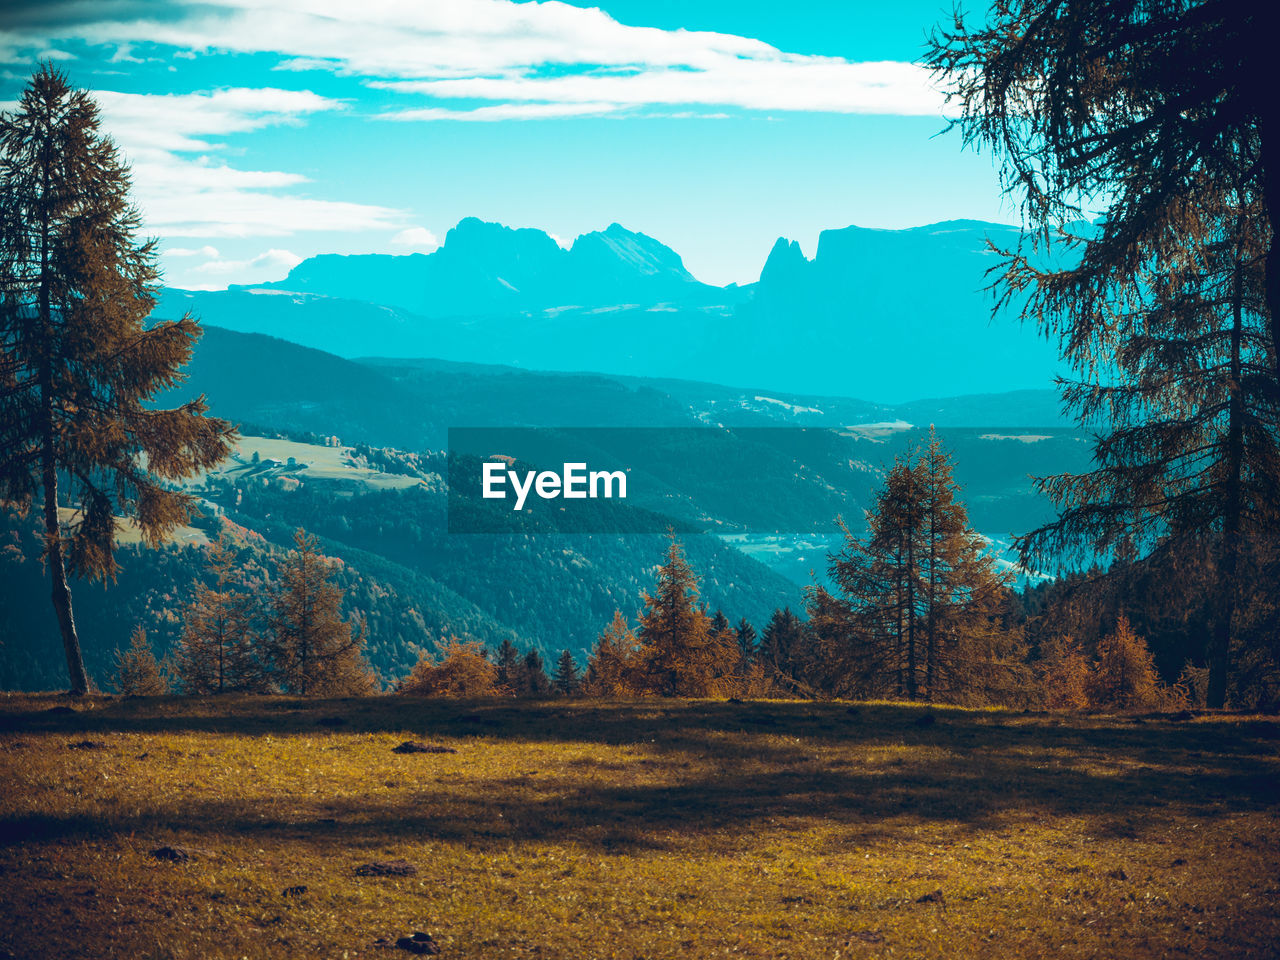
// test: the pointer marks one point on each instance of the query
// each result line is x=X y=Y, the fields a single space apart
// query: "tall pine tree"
x=221 y=649
x=314 y=651
x=683 y=656
x=920 y=603
x=1168 y=308
x=79 y=363
x=567 y=676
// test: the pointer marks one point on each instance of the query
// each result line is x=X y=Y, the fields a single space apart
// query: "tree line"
x=917 y=609
x=1140 y=143
x=290 y=639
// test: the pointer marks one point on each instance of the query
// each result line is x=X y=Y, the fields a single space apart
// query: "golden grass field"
x=648 y=829
x=322 y=463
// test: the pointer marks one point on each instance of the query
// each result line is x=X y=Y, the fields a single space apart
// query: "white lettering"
x=493 y=478
x=548 y=485
x=609 y=478
x=521 y=491
x=575 y=473
x=574 y=483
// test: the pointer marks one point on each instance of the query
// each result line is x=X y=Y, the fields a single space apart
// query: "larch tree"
x=138 y=673
x=314 y=651
x=221 y=649
x=613 y=669
x=1147 y=108
x=919 y=602
x=683 y=656
x=1167 y=306
x=79 y=363
x=460 y=671
x=1124 y=676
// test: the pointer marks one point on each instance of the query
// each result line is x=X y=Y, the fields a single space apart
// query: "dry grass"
x=634 y=830
x=322 y=463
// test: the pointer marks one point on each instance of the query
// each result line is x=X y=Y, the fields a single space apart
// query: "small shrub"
x=461 y=671
x=1125 y=677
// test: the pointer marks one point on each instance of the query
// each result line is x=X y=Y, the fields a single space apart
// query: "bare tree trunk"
x=49 y=469
x=58 y=571
x=912 y=680
x=1220 y=641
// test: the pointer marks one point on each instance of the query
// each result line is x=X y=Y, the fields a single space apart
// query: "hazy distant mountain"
x=484 y=269
x=886 y=315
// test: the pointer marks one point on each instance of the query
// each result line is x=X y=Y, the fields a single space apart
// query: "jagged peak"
x=785 y=258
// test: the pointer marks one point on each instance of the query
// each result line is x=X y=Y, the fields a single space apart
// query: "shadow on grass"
x=711 y=768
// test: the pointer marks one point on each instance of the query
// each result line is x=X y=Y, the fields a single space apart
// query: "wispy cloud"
x=550 y=55
x=505 y=111
x=416 y=240
x=173 y=141
x=215 y=272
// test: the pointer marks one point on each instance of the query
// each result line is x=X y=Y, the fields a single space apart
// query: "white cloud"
x=417 y=239
x=550 y=54
x=205 y=251
x=271 y=264
x=171 y=141
x=181 y=122
x=506 y=111
x=789 y=83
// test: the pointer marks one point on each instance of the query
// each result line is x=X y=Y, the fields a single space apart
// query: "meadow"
x=238 y=827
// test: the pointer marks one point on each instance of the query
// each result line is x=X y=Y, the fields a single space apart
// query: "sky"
x=261 y=132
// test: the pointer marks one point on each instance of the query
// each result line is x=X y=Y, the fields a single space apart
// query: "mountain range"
x=884 y=315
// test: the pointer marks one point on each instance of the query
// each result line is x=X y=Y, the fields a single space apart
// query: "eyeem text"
x=573 y=483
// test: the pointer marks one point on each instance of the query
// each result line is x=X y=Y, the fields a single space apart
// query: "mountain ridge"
x=890 y=315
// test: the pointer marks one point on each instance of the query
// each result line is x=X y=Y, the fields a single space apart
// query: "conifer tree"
x=137 y=672
x=1155 y=110
x=1179 y=375
x=780 y=646
x=80 y=363
x=1169 y=307
x=221 y=649
x=314 y=651
x=682 y=656
x=507 y=665
x=920 y=610
x=1065 y=675
x=567 y=677
x=614 y=669
x=531 y=677
x=745 y=634
x=719 y=622
x=1124 y=677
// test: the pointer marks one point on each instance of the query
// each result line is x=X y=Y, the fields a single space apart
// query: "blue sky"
x=264 y=132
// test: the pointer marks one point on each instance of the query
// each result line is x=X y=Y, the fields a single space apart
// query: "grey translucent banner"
x=649 y=479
